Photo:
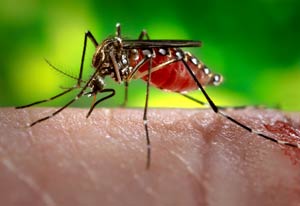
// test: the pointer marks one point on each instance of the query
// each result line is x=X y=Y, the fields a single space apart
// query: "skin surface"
x=198 y=158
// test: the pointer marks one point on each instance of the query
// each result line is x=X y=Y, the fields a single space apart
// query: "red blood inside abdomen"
x=174 y=76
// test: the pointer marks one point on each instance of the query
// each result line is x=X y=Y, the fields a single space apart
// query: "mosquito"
x=160 y=63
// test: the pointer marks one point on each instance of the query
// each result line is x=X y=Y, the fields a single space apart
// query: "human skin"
x=198 y=158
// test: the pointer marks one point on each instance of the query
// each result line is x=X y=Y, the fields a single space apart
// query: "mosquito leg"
x=118 y=30
x=125 y=94
x=47 y=100
x=56 y=112
x=87 y=35
x=144 y=34
x=100 y=100
x=147 y=57
x=194 y=99
x=216 y=109
x=141 y=36
x=220 y=107
x=145 y=116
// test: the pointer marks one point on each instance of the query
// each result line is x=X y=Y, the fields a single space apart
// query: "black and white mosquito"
x=160 y=63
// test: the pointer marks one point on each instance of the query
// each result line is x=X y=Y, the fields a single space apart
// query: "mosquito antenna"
x=62 y=72
x=47 y=100
x=118 y=31
x=66 y=105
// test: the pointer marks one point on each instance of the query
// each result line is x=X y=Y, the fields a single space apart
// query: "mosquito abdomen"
x=169 y=73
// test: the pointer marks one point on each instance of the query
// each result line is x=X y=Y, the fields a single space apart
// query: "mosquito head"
x=110 y=59
x=110 y=46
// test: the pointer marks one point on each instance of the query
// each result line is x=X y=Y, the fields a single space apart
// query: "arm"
x=198 y=158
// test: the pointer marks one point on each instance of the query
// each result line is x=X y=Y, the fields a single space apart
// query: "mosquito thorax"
x=102 y=59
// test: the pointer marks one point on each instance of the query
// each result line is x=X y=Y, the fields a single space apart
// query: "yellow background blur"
x=254 y=44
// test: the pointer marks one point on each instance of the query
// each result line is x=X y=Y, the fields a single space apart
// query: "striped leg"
x=217 y=110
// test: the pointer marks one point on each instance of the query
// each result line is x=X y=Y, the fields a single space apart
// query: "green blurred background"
x=254 y=44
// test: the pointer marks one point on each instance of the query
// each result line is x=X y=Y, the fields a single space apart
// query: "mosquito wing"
x=145 y=44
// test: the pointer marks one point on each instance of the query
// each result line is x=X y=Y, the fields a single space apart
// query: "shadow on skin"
x=198 y=158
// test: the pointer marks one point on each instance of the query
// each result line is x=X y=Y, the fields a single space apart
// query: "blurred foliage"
x=254 y=44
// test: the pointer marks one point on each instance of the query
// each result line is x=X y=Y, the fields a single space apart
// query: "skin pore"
x=198 y=158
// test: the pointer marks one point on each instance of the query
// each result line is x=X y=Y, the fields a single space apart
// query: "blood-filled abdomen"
x=168 y=72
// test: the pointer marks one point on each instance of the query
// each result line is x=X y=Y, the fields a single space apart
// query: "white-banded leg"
x=145 y=119
x=147 y=58
x=217 y=109
x=143 y=34
x=88 y=35
x=220 y=107
x=126 y=83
